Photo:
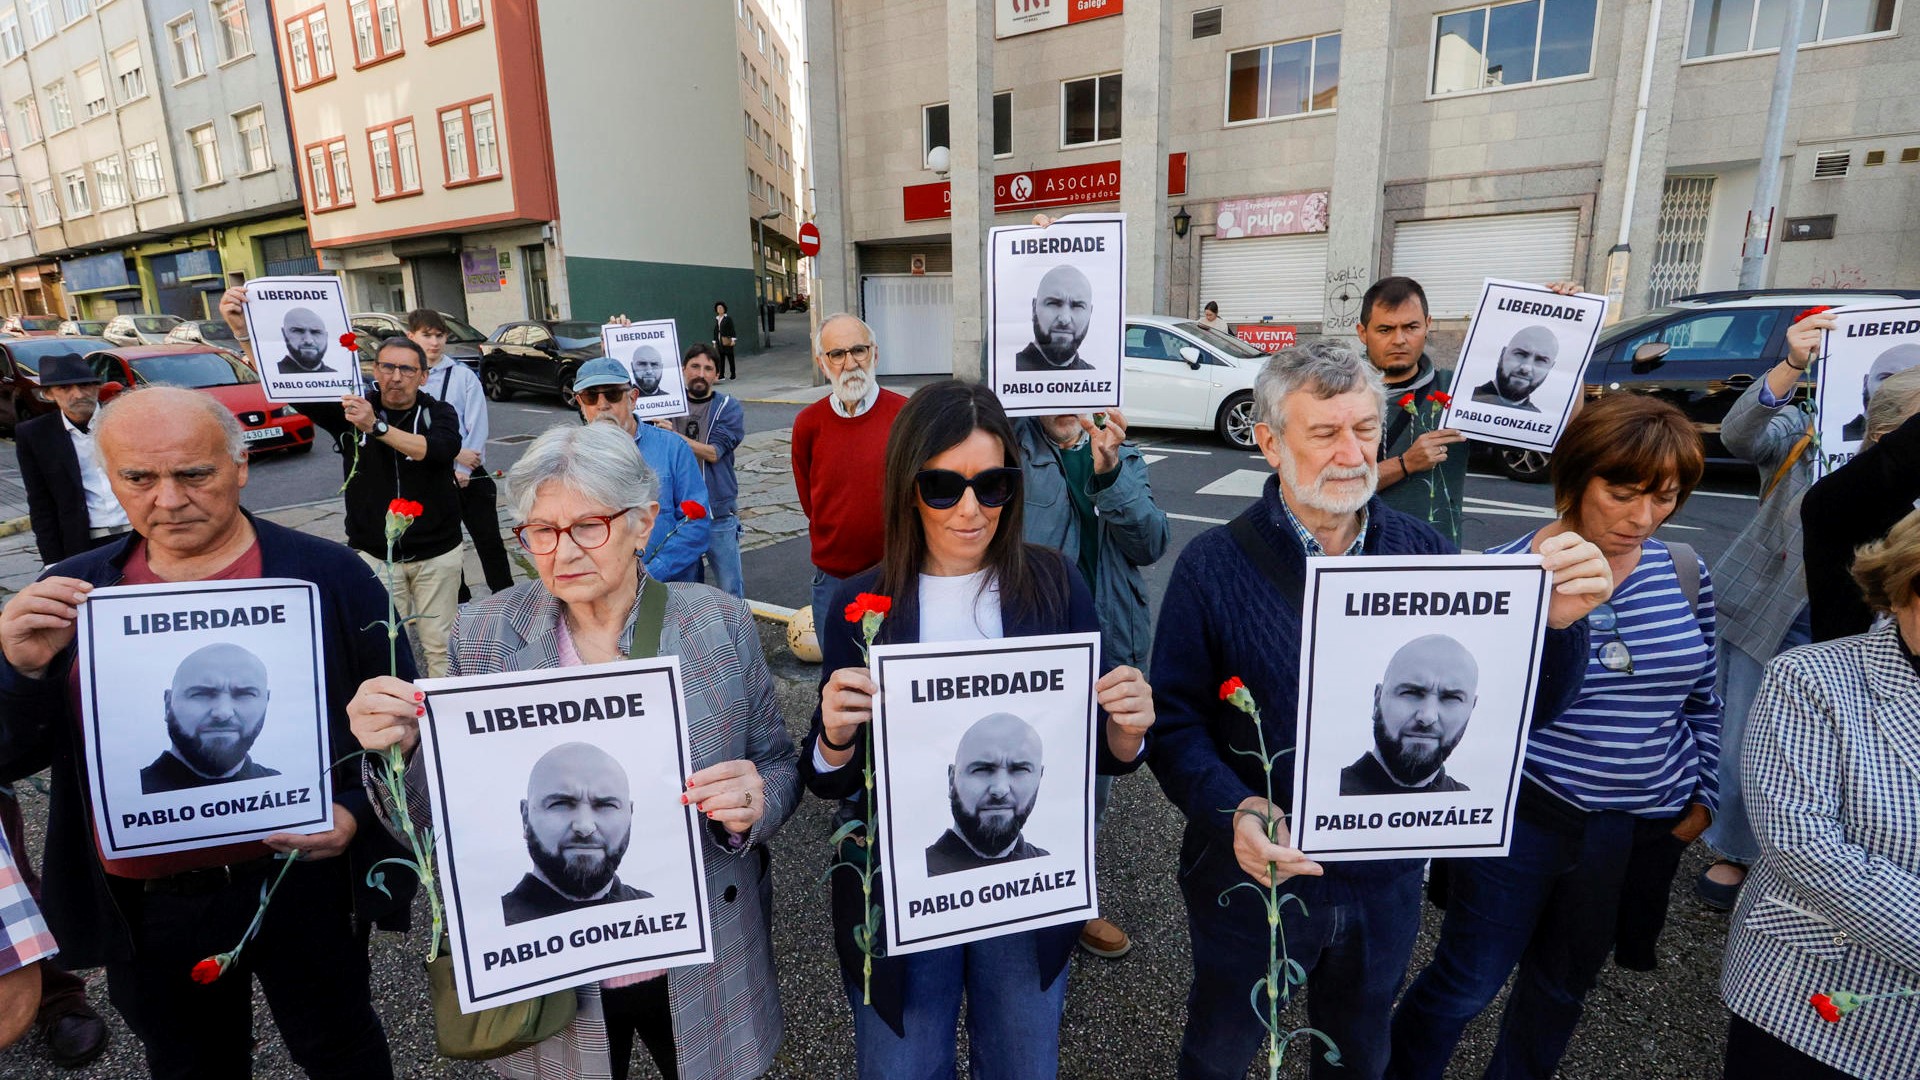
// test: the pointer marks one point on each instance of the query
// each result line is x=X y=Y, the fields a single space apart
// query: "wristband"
x=837 y=748
x=1404 y=471
x=1796 y=367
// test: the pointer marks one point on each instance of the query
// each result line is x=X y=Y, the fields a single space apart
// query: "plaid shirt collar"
x=1312 y=543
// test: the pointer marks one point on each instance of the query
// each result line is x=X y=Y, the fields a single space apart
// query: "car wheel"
x=1527 y=466
x=1235 y=423
x=566 y=389
x=495 y=384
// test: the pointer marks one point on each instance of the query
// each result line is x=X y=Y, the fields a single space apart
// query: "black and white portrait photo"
x=1055 y=314
x=992 y=784
x=297 y=325
x=1868 y=345
x=565 y=852
x=983 y=776
x=1418 y=679
x=1421 y=707
x=578 y=817
x=651 y=352
x=204 y=713
x=1523 y=364
x=215 y=709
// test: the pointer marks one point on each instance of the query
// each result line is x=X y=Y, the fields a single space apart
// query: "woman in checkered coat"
x=1832 y=773
x=587 y=499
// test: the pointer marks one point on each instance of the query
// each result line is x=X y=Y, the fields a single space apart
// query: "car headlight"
x=284 y=410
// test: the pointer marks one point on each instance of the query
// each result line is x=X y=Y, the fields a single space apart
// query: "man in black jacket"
x=177 y=463
x=1857 y=503
x=71 y=505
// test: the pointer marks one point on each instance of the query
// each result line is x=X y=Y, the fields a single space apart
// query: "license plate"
x=262 y=434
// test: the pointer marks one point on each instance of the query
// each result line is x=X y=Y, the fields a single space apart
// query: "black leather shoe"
x=76 y=1039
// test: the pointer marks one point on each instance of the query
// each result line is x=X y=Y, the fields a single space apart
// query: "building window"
x=40 y=19
x=448 y=17
x=1090 y=110
x=130 y=73
x=469 y=12
x=486 y=144
x=186 y=49
x=319 y=178
x=93 y=91
x=110 y=181
x=59 y=108
x=380 y=151
x=72 y=11
x=26 y=118
x=1293 y=78
x=322 y=41
x=46 y=209
x=144 y=160
x=396 y=162
x=746 y=70
x=12 y=44
x=251 y=127
x=299 y=53
x=231 y=31
x=342 y=177
x=75 y=186
x=389 y=26
x=1502 y=45
x=376 y=30
x=470 y=142
x=453 y=131
x=934 y=129
x=1724 y=29
x=408 y=157
x=206 y=154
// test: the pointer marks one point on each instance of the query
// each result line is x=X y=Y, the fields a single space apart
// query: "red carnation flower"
x=1405 y=402
x=1231 y=687
x=1445 y=399
x=692 y=511
x=1811 y=312
x=208 y=970
x=403 y=507
x=1824 y=1005
x=868 y=603
x=347 y=340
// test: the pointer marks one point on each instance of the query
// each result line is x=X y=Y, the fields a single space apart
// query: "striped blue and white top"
x=1647 y=742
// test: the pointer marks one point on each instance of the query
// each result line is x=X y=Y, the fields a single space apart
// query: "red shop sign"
x=1032 y=190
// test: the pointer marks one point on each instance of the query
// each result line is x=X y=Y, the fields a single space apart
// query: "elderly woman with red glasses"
x=585 y=498
x=955 y=570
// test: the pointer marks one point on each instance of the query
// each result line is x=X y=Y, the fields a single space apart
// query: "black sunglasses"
x=941 y=489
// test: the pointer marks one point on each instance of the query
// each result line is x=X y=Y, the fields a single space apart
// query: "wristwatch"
x=379 y=428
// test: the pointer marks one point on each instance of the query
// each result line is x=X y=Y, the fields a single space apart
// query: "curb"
x=772 y=613
x=16 y=526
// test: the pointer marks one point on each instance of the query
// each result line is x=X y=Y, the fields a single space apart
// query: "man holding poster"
x=1241 y=589
x=177 y=464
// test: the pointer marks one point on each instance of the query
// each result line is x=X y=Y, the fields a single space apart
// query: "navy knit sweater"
x=1222 y=617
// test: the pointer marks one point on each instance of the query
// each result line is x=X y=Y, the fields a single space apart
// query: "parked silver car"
x=140 y=329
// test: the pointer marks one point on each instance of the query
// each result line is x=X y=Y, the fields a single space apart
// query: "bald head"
x=994 y=781
x=1062 y=312
x=177 y=464
x=647 y=367
x=1422 y=705
x=1437 y=654
x=1897 y=359
x=216 y=707
x=305 y=334
x=1525 y=362
x=580 y=766
x=578 y=818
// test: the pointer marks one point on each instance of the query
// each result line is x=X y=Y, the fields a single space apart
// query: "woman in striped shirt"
x=1616 y=786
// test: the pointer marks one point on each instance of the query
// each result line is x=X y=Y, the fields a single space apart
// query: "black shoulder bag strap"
x=1686 y=567
x=651 y=620
x=1261 y=552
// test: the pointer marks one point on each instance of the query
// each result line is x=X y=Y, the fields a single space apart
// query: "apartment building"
x=1277 y=158
x=475 y=157
x=150 y=155
x=772 y=89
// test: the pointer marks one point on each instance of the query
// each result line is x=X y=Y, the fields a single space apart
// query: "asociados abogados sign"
x=1035 y=189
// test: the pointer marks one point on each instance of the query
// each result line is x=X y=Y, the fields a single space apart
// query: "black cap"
x=67 y=369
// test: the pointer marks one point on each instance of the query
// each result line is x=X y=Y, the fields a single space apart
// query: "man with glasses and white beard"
x=839 y=457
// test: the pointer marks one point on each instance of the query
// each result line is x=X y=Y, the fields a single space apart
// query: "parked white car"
x=1184 y=375
x=140 y=329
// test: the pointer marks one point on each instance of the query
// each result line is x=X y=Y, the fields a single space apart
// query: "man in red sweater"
x=839 y=457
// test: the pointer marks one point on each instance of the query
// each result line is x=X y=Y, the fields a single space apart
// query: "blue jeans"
x=723 y=557
x=1731 y=834
x=1354 y=941
x=823 y=586
x=1551 y=906
x=1013 y=1023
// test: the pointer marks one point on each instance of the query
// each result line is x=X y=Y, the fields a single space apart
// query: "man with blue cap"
x=606 y=393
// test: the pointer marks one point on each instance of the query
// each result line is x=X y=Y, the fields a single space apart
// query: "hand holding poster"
x=983 y=774
x=296 y=324
x=1523 y=364
x=651 y=351
x=1417 y=678
x=1867 y=344
x=566 y=854
x=204 y=714
x=1055 y=318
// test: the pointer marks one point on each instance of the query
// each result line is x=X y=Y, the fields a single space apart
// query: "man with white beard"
x=1233 y=612
x=839 y=457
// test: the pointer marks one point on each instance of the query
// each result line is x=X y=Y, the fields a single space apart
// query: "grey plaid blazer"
x=1832 y=771
x=727 y=1022
x=1758 y=583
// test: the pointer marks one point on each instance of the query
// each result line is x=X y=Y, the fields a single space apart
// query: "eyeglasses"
x=837 y=357
x=588 y=533
x=1614 y=655
x=599 y=396
x=942 y=489
x=397 y=369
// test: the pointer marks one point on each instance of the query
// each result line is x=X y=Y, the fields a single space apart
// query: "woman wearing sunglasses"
x=956 y=570
x=586 y=500
x=1615 y=788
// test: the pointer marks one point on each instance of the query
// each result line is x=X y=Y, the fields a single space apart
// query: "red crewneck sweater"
x=839 y=466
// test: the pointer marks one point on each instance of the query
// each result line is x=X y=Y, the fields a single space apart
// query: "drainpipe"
x=1620 y=256
x=1753 y=253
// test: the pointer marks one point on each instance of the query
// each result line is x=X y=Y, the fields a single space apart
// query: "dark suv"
x=1698 y=352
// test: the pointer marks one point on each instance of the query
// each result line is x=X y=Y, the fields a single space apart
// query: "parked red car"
x=266 y=425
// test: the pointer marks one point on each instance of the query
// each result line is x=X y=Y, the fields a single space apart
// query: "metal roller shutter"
x=1255 y=277
x=1452 y=258
x=912 y=320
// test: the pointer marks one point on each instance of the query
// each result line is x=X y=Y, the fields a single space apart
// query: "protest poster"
x=565 y=853
x=1417 y=679
x=297 y=325
x=650 y=351
x=203 y=713
x=1523 y=364
x=1868 y=343
x=1055 y=319
x=984 y=755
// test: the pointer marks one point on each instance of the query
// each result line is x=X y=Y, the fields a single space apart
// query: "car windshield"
x=1220 y=342
x=39 y=322
x=191 y=370
x=90 y=327
x=1629 y=327
x=214 y=331
x=576 y=335
x=29 y=352
x=466 y=334
x=154 y=324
